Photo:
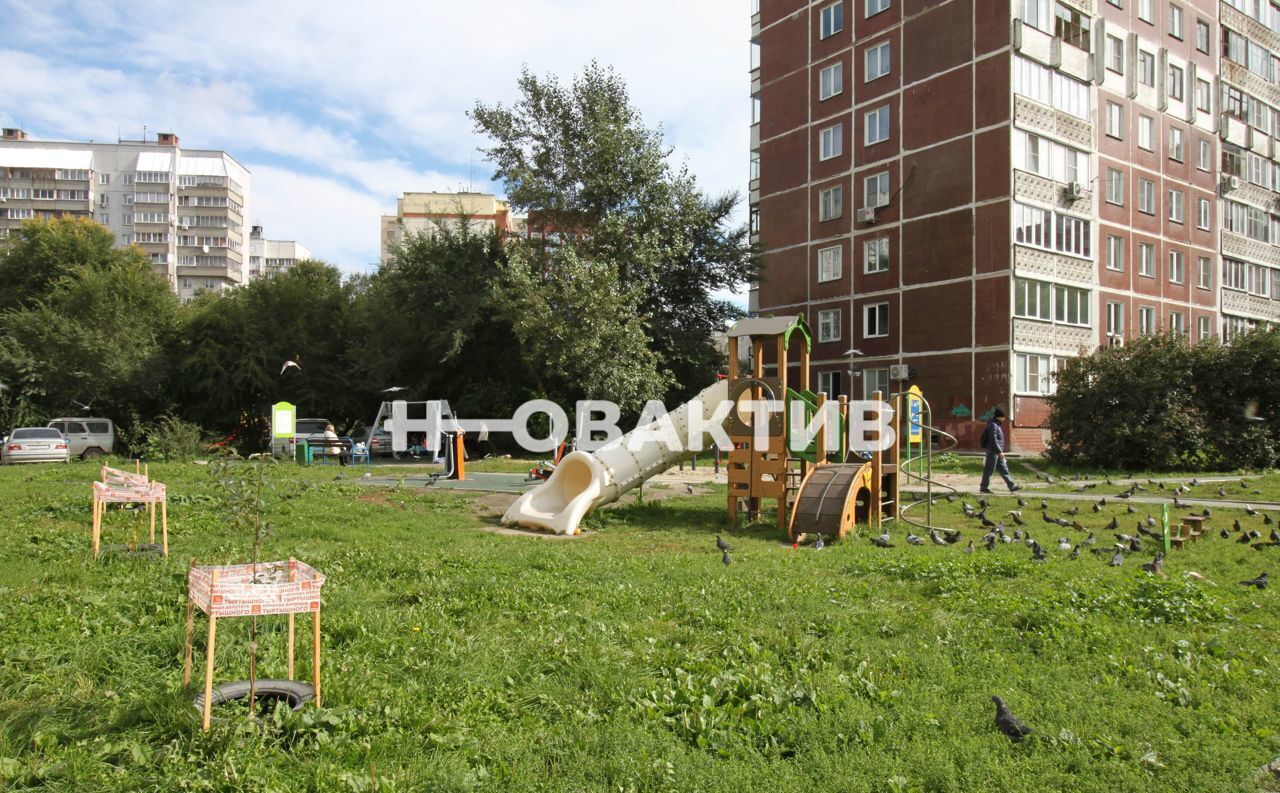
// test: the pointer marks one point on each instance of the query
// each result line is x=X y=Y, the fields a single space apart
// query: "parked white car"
x=87 y=438
x=35 y=445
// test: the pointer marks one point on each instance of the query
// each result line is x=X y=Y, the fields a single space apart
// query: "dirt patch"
x=493 y=504
x=516 y=531
x=380 y=498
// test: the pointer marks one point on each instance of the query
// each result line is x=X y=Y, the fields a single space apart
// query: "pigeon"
x=1235 y=526
x=1064 y=544
x=1027 y=541
x=1250 y=511
x=395 y=389
x=1222 y=493
x=969 y=548
x=991 y=543
x=722 y=545
x=968 y=510
x=1151 y=521
x=1260 y=582
x=982 y=502
x=1006 y=539
x=1063 y=522
x=1081 y=489
x=951 y=497
x=1017 y=534
x=1112 y=526
x=1178 y=504
x=688 y=489
x=1129 y=509
x=1049 y=478
x=1160 y=485
x=1244 y=539
x=1097 y=508
x=1135 y=545
x=1275 y=536
x=287 y=364
x=1008 y=723
x=367 y=475
x=1118 y=559
x=1022 y=502
x=1044 y=504
x=1037 y=554
x=913 y=539
x=882 y=541
x=1195 y=482
x=1073 y=511
x=1126 y=494
x=988 y=522
x=818 y=544
x=1089 y=540
x=937 y=540
x=1017 y=519
x=1156 y=565
x=1192 y=575
x=339 y=477
x=725 y=558
x=1267 y=520
x=1045 y=517
x=1224 y=534
x=1208 y=513
x=1075 y=553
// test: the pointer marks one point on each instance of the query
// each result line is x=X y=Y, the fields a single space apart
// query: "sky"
x=337 y=108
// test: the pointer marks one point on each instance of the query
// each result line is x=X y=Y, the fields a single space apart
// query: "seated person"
x=334 y=445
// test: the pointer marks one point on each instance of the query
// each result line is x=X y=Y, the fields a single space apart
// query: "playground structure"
x=817 y=489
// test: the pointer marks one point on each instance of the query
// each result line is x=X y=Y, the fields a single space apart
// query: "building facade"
x=271 y=257
x=962 y=194
x=184 y=208
x=417 y=212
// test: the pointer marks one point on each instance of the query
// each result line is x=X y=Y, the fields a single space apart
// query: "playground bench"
x=322 y=448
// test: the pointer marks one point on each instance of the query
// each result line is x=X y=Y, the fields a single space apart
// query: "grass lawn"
x=632 y=659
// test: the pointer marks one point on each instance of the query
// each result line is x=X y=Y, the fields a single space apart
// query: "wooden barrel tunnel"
x=832 y=500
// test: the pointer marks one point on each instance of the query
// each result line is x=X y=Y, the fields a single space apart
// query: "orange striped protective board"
x=288 y=587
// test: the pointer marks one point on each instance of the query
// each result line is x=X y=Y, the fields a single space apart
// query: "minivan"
x=87 y=438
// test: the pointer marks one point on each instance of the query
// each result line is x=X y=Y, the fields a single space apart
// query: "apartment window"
x=753 y=221
x=1146 y=196
x=832 y=20
x=1202 y=213
x=876 y=6
x=832 y=142
x=1036 y=14
x=1204 y=156
x=829 y=268
x=127 y=178
x=1204 y=95
x=1175 y=83
x=1204 y=279
x=186 y=283
x=876 y=124
x=127 y=220
x=829 y=325
x=1115 y=253
x=1146 y=132
x=877 y=62
x=1177 y=267
x=128 y=199
x=874 y=380
x=1115 y=186
x=1051 y=87
x=20 y=214
x=754 y=167
x=1175 y=144
x=830 y=81
x=104 y=218
x=1147 y=259
x=1146 y=320
x=875 y=320
x=1178 y=323
x=104 y=200
x=875 y=255
x=104 y=178
x=1147 y=11
x=1070 y=305
x=829 y=384
x=1175 y=21
x=755 y=114
x=1146 y=68
x=1032 y=299
x=1047 y=158
x=1115 y=54
x=1042 y=228
x=1033 y=374
x=1202 y=35
x=1203 y=331
x=1175 y=206
x=1072 y=27
x=1115 y=319
x=831 y=203
x=875 y=190
x=1031 y=151
x=1115 y=120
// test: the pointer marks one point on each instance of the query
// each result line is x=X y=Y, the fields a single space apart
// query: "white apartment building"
x=184 y=208
x=271 y=257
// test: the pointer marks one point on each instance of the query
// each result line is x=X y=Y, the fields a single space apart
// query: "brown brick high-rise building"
x=970 y=191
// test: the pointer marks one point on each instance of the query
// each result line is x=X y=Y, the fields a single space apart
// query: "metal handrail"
x=926 y=425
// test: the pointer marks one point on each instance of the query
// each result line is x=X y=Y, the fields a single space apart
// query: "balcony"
x=1241 y=247
x=1033 y=187
x=1046 y=265
x=1031 y=115
x=1242 y=304
x=1031 y=335
x=1249 y=27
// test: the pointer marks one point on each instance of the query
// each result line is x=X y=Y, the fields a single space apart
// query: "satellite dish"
x=204 y=248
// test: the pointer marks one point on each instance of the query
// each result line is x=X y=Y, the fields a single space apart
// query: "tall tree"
x=579 y=159
x=82 y=323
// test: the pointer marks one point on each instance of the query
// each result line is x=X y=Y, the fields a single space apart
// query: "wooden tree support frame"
x=122 y=487
x=289 y=588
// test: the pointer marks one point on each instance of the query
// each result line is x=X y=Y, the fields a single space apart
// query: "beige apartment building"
x=422 y=211
x=186 y=209
x=272 y=257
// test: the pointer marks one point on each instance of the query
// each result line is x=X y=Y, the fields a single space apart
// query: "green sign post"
x=283 y=420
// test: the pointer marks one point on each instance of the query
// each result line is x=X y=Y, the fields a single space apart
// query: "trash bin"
x=302 y=453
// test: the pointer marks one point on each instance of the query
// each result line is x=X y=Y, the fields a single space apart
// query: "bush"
x=169 y=438
x=1158 y=403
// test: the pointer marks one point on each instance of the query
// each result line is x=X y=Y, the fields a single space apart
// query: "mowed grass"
x=631 y=659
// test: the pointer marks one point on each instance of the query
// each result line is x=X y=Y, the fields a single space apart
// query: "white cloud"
x=364 y=104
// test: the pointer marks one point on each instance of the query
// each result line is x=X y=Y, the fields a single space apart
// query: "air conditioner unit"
x=1231 y=183
x=867 y=215
x=1074 y=191
x=1115 y=340
x=899 y=371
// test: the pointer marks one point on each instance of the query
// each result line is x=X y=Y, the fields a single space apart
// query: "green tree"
x=82 y=322
x=580 y=160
